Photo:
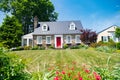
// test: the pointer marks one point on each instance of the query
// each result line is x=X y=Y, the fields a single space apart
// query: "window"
x=68 y=39
x=44 y=27
x=39 y=39
x=25 y=42
x=77 y=39
x=48 y=39
x=30 y=42
x=72 y=26
x=104 y=38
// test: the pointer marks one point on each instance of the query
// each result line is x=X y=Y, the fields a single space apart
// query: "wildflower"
x=56 y=78
x=80 y=78
x=87 y=71
x=63 y=72
x=69 y=74
x=57 y=72
x=97 y=76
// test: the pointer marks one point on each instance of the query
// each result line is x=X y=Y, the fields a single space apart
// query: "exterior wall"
x=43 y=40
x=107 y=32
x=52 y=40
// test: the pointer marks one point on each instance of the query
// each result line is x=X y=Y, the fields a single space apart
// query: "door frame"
x=55 y=38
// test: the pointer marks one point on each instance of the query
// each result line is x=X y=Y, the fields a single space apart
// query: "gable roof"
x=59 y=27
x=107 y=28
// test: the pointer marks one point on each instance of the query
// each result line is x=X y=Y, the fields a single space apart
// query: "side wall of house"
x=106 y=33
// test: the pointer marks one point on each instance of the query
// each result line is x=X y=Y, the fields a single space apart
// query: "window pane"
x=68 y=38
x=39 y=40
x=48 y=41
x=78 y=39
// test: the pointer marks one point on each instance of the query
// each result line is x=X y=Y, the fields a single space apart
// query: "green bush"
x=105 y=49
x=35 y=48
x=27 y=47
x=41 y=48
x=65 y=46
x=12 y=67
x=82 y=46
x=111 y=44
x=74 y=47
x=118 y=45
x=51 y=47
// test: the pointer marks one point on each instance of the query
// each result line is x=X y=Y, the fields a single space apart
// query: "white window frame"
x=76 y=39
x=47 y=39
x=105 y=39
x=44 y=29
x=39 y=37
x=67 y=39
x=72 y=26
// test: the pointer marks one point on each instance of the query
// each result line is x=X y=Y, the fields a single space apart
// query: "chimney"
x=35 y=22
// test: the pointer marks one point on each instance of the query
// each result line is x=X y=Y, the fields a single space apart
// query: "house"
x=107 y=34
x=54 y=34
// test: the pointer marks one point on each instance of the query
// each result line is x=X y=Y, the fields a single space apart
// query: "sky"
x=93 y=14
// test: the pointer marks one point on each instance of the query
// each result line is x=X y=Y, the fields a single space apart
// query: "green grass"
x=41 y=60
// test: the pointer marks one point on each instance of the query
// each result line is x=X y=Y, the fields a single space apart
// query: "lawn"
x=41 y=60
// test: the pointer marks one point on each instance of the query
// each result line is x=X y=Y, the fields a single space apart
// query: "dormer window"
x=72 y=26
x=44 y=27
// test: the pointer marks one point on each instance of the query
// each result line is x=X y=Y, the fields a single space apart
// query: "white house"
x=107 y=34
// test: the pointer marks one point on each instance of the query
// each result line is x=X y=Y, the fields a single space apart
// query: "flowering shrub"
x=74 y=73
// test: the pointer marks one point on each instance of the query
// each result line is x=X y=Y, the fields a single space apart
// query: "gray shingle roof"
x=59 y=27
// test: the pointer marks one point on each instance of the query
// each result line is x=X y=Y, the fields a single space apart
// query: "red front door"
x=58 y=42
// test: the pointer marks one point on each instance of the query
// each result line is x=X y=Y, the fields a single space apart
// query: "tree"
x=26 y=10
x=88 y=36
x=10 y=32
x=117 y=32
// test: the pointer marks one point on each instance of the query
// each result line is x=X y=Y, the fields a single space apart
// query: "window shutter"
x=108 y=38
x=102 y=38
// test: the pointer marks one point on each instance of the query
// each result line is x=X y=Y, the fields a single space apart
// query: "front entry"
x=58 y=41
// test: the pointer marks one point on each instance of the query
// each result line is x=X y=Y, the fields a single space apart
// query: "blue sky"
x=94 y=14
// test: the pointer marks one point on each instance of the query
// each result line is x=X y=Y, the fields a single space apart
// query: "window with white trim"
x=68 y=39
x=48 y=39
x=44 y=27
x=39 y=39
x=104 y=38
x=72 y=26
x=77 y=39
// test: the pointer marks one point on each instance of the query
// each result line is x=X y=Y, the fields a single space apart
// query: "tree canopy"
x=10 y=32
x=117 y=32
x=88 y=36
x=26 y=10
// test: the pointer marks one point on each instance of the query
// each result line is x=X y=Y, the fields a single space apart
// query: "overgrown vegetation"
x=12 y=67
x=66 y=64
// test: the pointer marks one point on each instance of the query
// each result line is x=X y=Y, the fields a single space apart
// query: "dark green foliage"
x=26 y=10
x=118 y=45
x=117 y=32
x=51 y=47
x=110 y=44
x=74 y=47
x=106 y=49
x=10 y=32
x=12 y=67
x=38 y=48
